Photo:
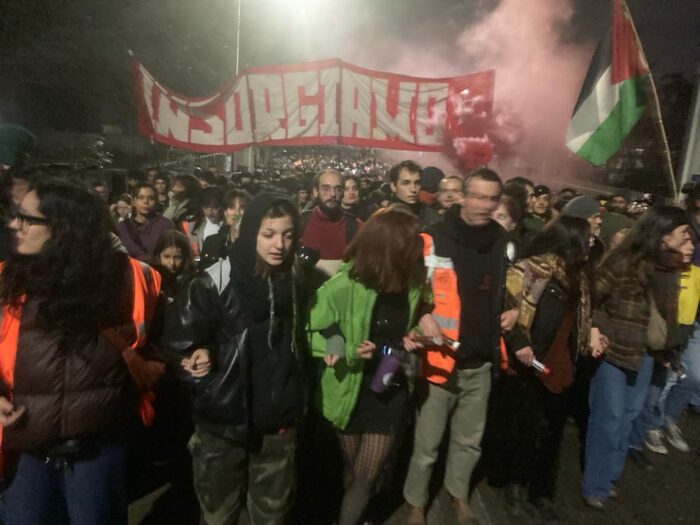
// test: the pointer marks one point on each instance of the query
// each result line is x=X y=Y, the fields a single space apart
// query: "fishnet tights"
x=363 y=458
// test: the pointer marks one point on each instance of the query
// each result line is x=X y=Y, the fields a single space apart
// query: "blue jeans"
x=680 y=392
x=616 y=398
x=651 y=416
x=695 y=401
x=88 y=491
x=668 y=396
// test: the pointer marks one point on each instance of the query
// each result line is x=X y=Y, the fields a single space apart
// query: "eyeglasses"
x=26 y=220
x=327 y=188
x=483 y=198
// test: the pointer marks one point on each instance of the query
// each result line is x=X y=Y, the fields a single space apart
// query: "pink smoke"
x=538 y=77
x=472 y=151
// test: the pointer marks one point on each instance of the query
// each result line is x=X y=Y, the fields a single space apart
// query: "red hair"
x=387 y=250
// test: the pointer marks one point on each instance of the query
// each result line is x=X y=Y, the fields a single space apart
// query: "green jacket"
x=344 y=304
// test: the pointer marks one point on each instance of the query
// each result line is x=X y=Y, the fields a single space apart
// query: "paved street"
x=666 y=496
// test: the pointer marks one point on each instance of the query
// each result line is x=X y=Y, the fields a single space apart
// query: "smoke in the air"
x=538 y=77
x=539 y=71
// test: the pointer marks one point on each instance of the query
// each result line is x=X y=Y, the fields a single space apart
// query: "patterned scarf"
x=527 y=281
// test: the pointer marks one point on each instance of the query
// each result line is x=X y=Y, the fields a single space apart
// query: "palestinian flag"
x=613 y=96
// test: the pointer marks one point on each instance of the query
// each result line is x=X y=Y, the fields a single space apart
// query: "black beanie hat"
x=430 y=178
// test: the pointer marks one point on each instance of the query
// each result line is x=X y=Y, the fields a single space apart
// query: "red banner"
x=327 y=102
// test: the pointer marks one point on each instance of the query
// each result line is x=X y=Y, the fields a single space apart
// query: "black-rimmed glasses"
x=26 y=220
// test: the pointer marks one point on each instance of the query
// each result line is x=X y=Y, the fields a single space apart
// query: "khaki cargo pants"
x=464 y=408
x=226 y=472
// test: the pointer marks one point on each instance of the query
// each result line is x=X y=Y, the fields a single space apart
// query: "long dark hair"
x=568 y=238
x=79 y=280
x=176 y=239
x=641 y=249
x=386 y=251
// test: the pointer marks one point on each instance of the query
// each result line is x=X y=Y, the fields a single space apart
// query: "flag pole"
x=656 y=110
x=664 y=141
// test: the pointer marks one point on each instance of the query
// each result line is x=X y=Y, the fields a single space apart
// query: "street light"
x=238 y=35
x=247 y=155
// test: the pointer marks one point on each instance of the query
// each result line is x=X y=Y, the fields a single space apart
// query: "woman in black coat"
x=238 y=349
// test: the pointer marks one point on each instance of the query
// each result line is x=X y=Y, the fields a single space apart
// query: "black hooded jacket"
x=256 y=381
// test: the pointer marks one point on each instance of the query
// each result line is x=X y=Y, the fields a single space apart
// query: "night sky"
x=64 y=64
x=276 y=32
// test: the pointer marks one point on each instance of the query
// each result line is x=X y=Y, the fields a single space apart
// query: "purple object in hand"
x=384 y=375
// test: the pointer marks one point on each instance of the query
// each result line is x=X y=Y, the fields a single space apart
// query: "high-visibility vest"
x=8 y=354
x=146 y=288
x=146 y=283
x=439 y=361
x=9 y=338
x=193 y=240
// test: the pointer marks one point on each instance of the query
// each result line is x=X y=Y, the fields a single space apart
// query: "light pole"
x=247 y=155
x=238 y=35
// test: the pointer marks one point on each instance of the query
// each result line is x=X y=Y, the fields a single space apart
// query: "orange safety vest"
x=8 y=353
x=193 y=240
x=146 y=283
x=440 y=360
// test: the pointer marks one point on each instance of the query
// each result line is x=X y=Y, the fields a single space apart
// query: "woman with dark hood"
x=238 y=350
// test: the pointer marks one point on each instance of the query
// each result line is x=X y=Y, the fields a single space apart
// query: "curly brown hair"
x=79 y=281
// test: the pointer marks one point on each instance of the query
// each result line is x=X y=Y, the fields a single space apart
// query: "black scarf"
x=477 y=256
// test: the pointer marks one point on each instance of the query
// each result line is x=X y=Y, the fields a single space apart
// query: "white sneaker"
x=655 y=442
x=675 y=437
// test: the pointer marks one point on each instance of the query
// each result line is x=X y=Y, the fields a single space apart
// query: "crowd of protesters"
x=460 y=309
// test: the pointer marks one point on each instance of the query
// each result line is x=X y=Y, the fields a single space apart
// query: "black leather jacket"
x=202 y=317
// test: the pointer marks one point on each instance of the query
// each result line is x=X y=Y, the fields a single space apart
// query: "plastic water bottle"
x=387 y=368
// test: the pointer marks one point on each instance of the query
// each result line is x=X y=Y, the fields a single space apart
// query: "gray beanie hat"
x=583 y=207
